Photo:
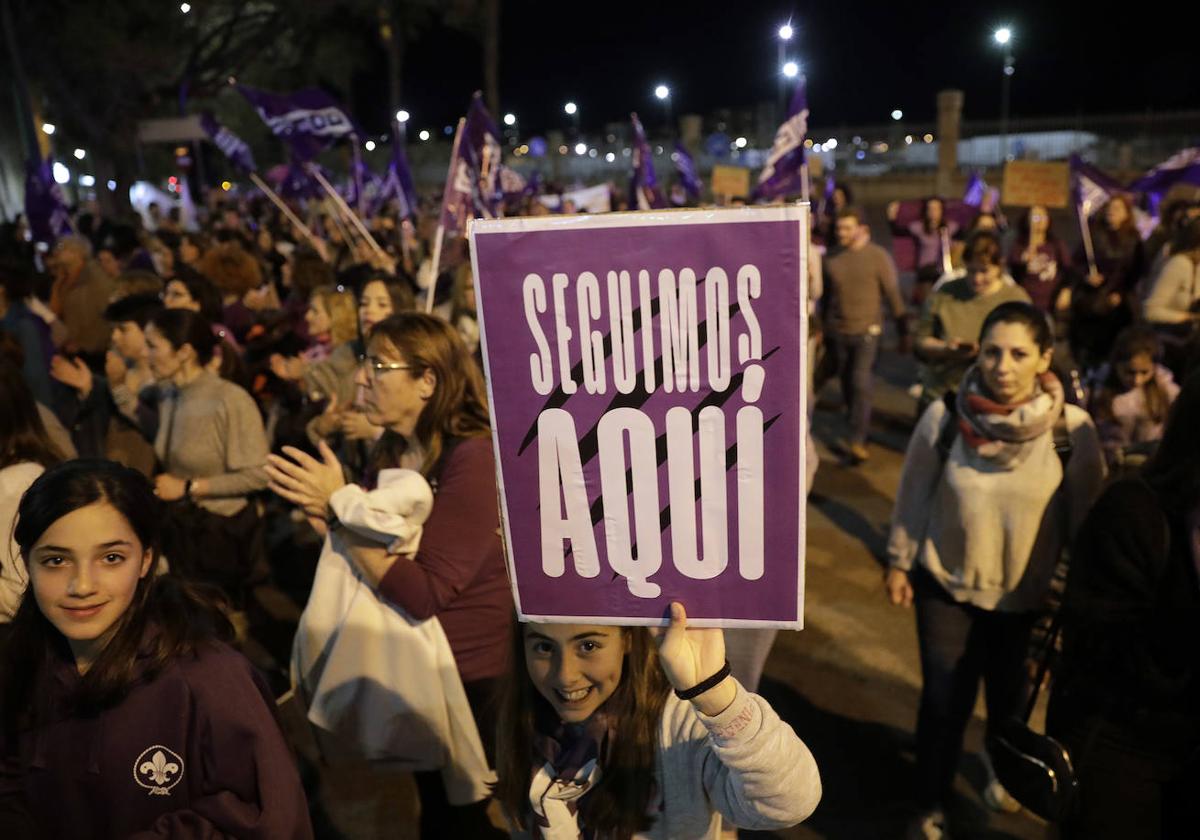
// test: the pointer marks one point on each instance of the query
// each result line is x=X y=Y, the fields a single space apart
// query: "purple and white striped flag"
x=1181 y=168
x=398 y=183
x=644 y=193
x=473 y=189
x=234 y=147
x=783 y=172
x=686 y=167
x=309 y=120
x=44 y=206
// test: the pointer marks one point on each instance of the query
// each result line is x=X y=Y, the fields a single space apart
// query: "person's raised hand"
x=690 y=656
x=73 y=373
x=303 y=480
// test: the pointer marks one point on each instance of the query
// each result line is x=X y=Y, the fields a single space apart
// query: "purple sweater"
x=458 y=573
x=193 y=753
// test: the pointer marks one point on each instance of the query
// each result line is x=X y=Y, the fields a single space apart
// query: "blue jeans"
x=856 y=364
x=960 y=644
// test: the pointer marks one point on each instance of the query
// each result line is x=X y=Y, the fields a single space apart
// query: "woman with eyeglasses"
x=422 y=386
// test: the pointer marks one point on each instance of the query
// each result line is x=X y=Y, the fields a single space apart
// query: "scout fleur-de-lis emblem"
x=158 y=769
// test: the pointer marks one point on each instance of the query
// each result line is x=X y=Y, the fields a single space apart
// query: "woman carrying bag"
x=984 y=506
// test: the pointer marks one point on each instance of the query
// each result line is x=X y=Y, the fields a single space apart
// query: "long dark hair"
x=23 y=438
x=1024 y=224
x=458 y=407
x=1133 y=341
x=617 y=806
x=1174 y=469
x=182 y=615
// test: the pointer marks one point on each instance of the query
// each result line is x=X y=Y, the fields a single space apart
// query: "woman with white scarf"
x=985 y=504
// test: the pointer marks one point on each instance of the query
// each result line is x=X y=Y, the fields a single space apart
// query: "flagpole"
x=441 y=228
x=345 y=208
x=287 y=211
x=356 y=174
x=804 y=189
x=1085 y=232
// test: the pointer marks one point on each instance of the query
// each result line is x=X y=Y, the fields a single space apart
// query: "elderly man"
x=81 y=291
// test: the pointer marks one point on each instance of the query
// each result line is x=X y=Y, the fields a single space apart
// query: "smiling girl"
x=129 y=709
x=604 y=733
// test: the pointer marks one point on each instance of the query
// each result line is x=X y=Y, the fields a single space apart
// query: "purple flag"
x=473 y=188
x=644 y=193
x=234 y=147
x=362 y=181
x=309 y=120
x=44 y=205
x=297 y=183
x=1180 y=168
x=783 y=173
x=976 y=189
x=686 y=167
x=398 y=183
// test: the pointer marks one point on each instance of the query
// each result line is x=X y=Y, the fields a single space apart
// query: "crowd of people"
x=174 y=399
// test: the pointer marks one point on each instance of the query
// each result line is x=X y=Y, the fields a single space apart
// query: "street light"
x=662 y=91
x=424 y=135
x=369 y=145
x=402 y=116
x=80 y=154
x=897 y=115
x=785 y=33
x=510 y=119
x=580 y=148
x=48 y=128
x=573 y=112
x=185 y=7
x=791 y=69
x=570 y=108
x=1004 y=36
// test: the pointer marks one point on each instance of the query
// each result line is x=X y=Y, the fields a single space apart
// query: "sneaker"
x=858 y=451
x=999 y=799
x=928 y=826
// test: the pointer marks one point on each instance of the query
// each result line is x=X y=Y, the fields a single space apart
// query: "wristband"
x=701 y=687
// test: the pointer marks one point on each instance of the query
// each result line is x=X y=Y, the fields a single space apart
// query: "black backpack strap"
x=949 y=430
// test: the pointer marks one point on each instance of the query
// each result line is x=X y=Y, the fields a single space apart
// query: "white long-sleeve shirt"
x=1176 y=289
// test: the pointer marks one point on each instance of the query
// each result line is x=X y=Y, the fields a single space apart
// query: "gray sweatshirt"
x=992 y=536
x=211 y=429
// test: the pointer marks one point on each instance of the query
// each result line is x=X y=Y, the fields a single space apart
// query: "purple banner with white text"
x=647 y=381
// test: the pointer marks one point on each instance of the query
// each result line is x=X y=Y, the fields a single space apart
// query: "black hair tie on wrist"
x=701 y=687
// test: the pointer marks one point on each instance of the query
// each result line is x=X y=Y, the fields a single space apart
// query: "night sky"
x=861 y=59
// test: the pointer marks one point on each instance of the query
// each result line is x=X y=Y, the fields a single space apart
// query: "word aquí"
x=580 y=321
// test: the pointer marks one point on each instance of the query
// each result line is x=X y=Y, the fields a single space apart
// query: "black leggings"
x=438 y=817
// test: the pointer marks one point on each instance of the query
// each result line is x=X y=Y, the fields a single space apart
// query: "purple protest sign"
x=646 y=376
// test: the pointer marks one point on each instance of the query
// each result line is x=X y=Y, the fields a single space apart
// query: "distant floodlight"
x=369 y=145
x=897 y=114
x=87 y=180
x=570 y=108
x=48 y=128
x=424 y=135
x=786 y=32
x=402 y=116
x=740 y=142
x=610 y=157
x=112 y=186
x=80 y=154
x=831 y=143
x=1002 y=35
x=581 y=148
x=662 y=91
x=185 y=7
x=510 y=119
x=791 y=69
x=62 y=175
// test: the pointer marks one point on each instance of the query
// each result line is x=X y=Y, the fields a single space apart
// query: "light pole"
x=572 y=111
x=402 y=118
x=1004 y=37
x=663 y=94
x=785 y=34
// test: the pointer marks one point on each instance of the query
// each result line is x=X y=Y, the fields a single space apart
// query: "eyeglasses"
x=375 y=367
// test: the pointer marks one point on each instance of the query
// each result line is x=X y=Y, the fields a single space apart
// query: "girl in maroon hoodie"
x=123 y=712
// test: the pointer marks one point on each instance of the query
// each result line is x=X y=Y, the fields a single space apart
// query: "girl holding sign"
x=604 y=733
x=984 y=507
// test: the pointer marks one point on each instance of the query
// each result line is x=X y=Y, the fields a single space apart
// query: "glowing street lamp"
x=662 y=92
x=791 y=69
x=48 y=128
x=571 y=109
x=80 y=154
x=897 y=115
x=402 y=116
x=424 y=135
x=1004 y=37
x=510 y=119
x=786 y=32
